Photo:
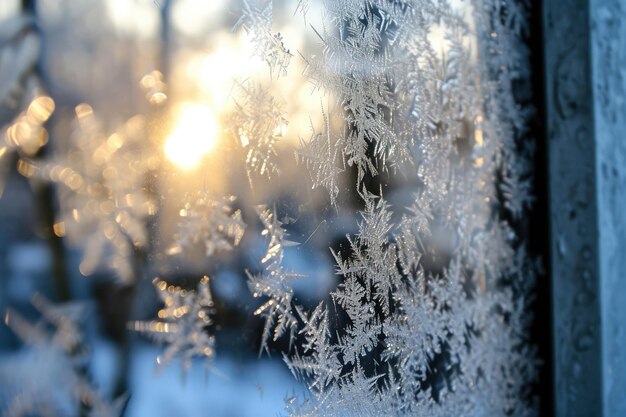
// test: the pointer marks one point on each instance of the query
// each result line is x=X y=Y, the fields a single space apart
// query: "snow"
x=231 y=388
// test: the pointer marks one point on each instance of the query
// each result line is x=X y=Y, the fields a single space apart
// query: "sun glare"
x=134 y=17
x=193 y=137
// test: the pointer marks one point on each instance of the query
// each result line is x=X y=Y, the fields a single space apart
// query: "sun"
x=194 y=136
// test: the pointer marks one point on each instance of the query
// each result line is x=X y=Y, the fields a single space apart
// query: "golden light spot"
x=114 y=142
x=478 y=137
x=157 y=98
x=479 y=162
x=280 y=131
x=245 y=141
x=154 y=86
x=74 y=182
x=40 y=109
x=18 y=131
x=149 y=80
x=26 y=168
x=83 y=110
x=180 y=311
x=193 y=138
x=59 y=229
x=174 y=250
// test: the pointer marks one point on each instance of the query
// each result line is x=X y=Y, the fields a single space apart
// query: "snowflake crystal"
x=269 y=46
x=430 y=317
x=210 y=222
x=103 y=194
x=274 y=282
x=259 y=124
x=182 y=324
x=58 y=351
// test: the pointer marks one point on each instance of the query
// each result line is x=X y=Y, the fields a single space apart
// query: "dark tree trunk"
x=44 y=193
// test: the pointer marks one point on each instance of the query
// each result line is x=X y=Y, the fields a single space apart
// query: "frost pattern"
x=354 y=67
x=182 y=324
x=104 y=199
x=20 y=83
x=322 y=156
x=59 y=352
x=269 y=46
x=259 y=122
x=274 y=283
x=431 y=314
x=209 y=222
x=432 y=311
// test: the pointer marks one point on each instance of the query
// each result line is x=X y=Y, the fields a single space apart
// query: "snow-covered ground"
x=230 y=388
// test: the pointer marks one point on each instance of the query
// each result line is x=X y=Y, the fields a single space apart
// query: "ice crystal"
x=431 y=313
x=269 y=46
x=209 y=222
x=57 y=338
x=21 y=91
x=104 y=195
x=368 y=269
x=354 y=67
x=319 y=363
x=24 y=405
x=183 y=323
x=101 y=408
x=322 y=156
x=274 y=282
x=26 y=135
x=432 y=310
x=259 y=123
x=59 y=325
x=303 y=8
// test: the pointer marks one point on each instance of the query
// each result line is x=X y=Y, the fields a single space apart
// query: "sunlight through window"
x=193 y=137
